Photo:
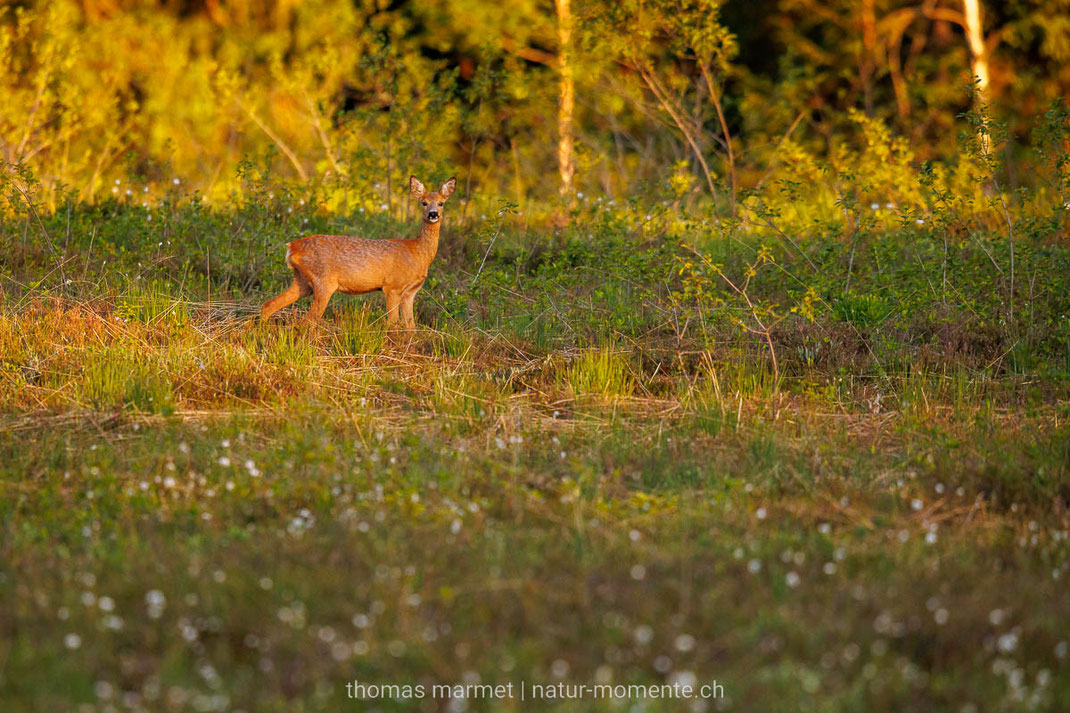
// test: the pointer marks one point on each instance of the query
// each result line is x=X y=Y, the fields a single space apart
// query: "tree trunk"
x=975 y=36
x=566 y=103
x=867 y=62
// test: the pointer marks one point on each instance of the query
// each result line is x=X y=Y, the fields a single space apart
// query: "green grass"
x=601 y=372
x=555 y=479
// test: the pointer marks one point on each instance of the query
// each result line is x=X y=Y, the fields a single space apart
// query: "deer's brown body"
x=325 y=264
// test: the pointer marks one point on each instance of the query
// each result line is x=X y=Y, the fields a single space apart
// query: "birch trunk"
x=975 y=36
x=867 y=62
x=566 y=103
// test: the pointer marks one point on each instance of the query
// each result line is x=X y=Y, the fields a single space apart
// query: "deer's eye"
x=423 y=202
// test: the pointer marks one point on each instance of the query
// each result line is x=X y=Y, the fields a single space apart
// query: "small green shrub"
x=861 y=310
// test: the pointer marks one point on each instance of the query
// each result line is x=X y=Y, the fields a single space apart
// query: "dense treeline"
x=526 y=98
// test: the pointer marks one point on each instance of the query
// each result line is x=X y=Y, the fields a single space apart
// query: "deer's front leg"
x=393 y=299
x=406 y=306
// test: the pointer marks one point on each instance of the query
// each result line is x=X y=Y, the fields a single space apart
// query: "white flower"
x=684 y=642
x=1008 y=642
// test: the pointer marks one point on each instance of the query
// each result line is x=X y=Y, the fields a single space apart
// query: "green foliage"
x=349 y=99
x=861 y=310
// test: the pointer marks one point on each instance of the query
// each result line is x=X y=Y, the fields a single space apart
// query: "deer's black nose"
x=433 y=214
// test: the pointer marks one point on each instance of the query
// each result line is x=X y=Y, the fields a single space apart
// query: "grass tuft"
x=600 y=372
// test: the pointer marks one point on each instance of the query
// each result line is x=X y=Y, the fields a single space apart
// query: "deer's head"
x=432 y=201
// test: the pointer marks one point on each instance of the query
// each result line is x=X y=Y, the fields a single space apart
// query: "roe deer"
x=324 y=264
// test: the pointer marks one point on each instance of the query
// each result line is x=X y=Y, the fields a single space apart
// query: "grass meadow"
x=583 y=467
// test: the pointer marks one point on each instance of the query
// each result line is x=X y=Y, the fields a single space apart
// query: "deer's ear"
x=416 y=187
x=448 y=187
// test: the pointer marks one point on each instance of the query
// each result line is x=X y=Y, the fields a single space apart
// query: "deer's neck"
x=427 y=241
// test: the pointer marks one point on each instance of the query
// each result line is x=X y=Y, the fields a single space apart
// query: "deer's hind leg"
x=298 y=288
x=321 y=295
